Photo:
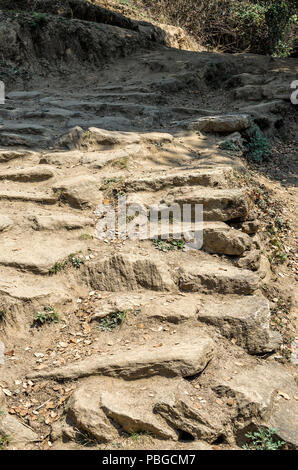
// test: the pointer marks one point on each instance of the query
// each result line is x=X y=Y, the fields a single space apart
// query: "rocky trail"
x=153 y=345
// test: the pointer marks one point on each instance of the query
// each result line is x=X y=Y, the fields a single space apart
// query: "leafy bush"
x=48 y=315
x=261 y=26
x=257 y=145
x=113 y=320
x=263 y=440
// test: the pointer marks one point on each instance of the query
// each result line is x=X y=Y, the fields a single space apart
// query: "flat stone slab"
x=213 y=276
x=217 y=237
x=7 y=155
x=173 y=310
x=178 y=356
x=245 y=319
x=120 y=273
x=61 y=221
x=24 y=128
x=27 y=196
x=36 y=254
x=222 y=123
x=183 y=178
x=26 y=175
x=102 y=139
x=79 y=192
x=218 y=204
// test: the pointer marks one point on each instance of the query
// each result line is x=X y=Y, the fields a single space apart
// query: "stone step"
x=101 y=404
x=52 y=114
x=129 y=272
x=108 y=107
x=22 y=296
x=226 y=123
x=214 y=276
x=173 y=358
x=265 y=395
x=217 y=237
x=94 y=159
x=26 y=175
x=150 y=305
x=244 y=319
x=113 y=123
x=102 y=139
x=204 y=177
x=36 y=254
x=42 y=198
x=7 y=155
x=218 y=204
x=24 y=140
x=23 y=128
x=61 y=221
x=23 y=95
x=79 y=192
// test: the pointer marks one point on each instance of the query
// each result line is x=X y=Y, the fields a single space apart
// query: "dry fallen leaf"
x=9 y=353
x=284 y=395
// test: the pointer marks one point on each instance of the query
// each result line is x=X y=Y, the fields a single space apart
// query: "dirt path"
x=154 y=345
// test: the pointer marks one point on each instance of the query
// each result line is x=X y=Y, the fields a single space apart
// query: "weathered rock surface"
x=223 y=123
x=7 y=155
x=5 y=223
x=213 y=276
x=220 y=238
x=245 y=319
x=122 y=272
x=218 y=204
x=178 y=356
x=163 y=407
x=26 y=196
x=171 y=310
x=250 y=260
x=38 y=173
x=79 y=191
x=61 y=221
x=36 y=255
x=266 y=393
x=199 y=177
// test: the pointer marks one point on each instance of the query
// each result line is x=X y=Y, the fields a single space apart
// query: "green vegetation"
x=258 y=26
x=121 y=163
x=56 y=268
x=137 y=436
x=113 y=187
x=85 y=236
x=4 y=441
x=168 y=245
x=263 y=440
x=73 y=260
x=48 y=315
x=257 y=145
x=35 y=19
x=113 y=320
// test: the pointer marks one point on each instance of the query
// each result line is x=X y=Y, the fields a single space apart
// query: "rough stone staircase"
x=188 y=362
